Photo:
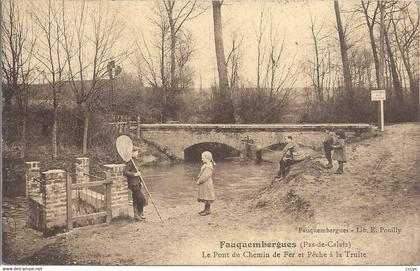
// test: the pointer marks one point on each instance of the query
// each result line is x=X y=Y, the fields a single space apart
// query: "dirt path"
x=380 y=188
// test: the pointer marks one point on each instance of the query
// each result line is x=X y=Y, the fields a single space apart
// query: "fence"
x=124 y=126
x=57 y=200
x=85 y=204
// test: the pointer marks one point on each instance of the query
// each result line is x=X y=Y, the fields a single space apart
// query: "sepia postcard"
x=210 y=133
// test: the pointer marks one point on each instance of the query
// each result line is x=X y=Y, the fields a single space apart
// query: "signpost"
x=379 y=95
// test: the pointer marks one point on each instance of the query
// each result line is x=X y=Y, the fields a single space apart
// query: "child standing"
x=328 y=143
x=205 y=183
x=134 y=184
x=340 y=151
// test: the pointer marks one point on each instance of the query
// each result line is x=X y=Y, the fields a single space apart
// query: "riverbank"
x=380 y=188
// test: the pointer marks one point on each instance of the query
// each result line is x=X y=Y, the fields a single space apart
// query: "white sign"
x=378 y=95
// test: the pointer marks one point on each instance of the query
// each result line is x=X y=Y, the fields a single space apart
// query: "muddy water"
x=176 y=184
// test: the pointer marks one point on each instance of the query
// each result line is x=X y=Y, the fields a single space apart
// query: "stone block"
x=33 y=165
x=53 y=174
x=32 y=178
x=115 y=168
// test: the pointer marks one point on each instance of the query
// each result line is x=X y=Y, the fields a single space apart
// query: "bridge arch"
x=220 y=151
x=175 y=138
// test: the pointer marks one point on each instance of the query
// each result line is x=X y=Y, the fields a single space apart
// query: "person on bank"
x=290 y=155
x=135 y=185
x=340 y=151
x=205 y=183
x=328 y=143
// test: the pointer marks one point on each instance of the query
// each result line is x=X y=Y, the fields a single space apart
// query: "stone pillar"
x=246 y=148
x=32 y=176
x=54 y=198
x=82 y=168
x=258 y=155
x=121 y=200
x=242 y=153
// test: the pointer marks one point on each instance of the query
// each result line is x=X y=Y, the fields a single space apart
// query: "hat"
x=208 y=157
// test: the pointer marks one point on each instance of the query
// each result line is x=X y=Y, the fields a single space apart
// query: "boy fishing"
x=290 y=156
x=134 y=184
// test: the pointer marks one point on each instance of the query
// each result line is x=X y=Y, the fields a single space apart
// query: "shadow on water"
x=219 y=151
x=177 y=183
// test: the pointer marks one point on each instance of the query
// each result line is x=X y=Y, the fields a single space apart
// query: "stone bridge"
x=176 y=138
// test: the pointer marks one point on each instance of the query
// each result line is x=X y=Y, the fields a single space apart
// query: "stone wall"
x=33 y=181
x=121 y=198
x=47 y=194
x=177 y=138
x=54 y=198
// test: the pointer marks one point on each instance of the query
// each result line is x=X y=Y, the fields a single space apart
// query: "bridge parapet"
x=362 y=127
x=175 y=138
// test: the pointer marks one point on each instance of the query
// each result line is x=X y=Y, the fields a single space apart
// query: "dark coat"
x=328 y=141
x=340 y=151
x=293 y=152
x=205 y=184
x=135 y=184
x=129 y=172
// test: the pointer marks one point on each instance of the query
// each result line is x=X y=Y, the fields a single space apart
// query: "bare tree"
x=18 y=68
x=14 y=36
x=88 y=41
x=393 y=69
x=50 y=55
x=224 y=111
x=178 y=13
x=370 y=23
x=184 y=53
x=406 y=35
x=233 y=60
x=361 y=61
x=163 y=56
x=279 y=75
x=275 y=76
x=260 y=48
x=344 y=53
x=319 y=68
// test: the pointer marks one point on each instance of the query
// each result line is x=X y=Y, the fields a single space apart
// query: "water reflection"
x=176 y=183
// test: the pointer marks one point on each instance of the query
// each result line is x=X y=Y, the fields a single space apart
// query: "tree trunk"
x=173 y=53
x=370 y=26
x=85 y=132
x=55 y=125
x=395 y=78
x=224 y=106
x=375 y=53
x=8 y=95
x=163 y=113
x=173 y=79
x=343 y=49
x=414 y=91
x=23 y=134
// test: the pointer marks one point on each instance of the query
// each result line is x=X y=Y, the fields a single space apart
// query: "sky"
x=290 y=19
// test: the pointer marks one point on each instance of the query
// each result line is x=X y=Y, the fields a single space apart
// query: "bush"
x=339 y=109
